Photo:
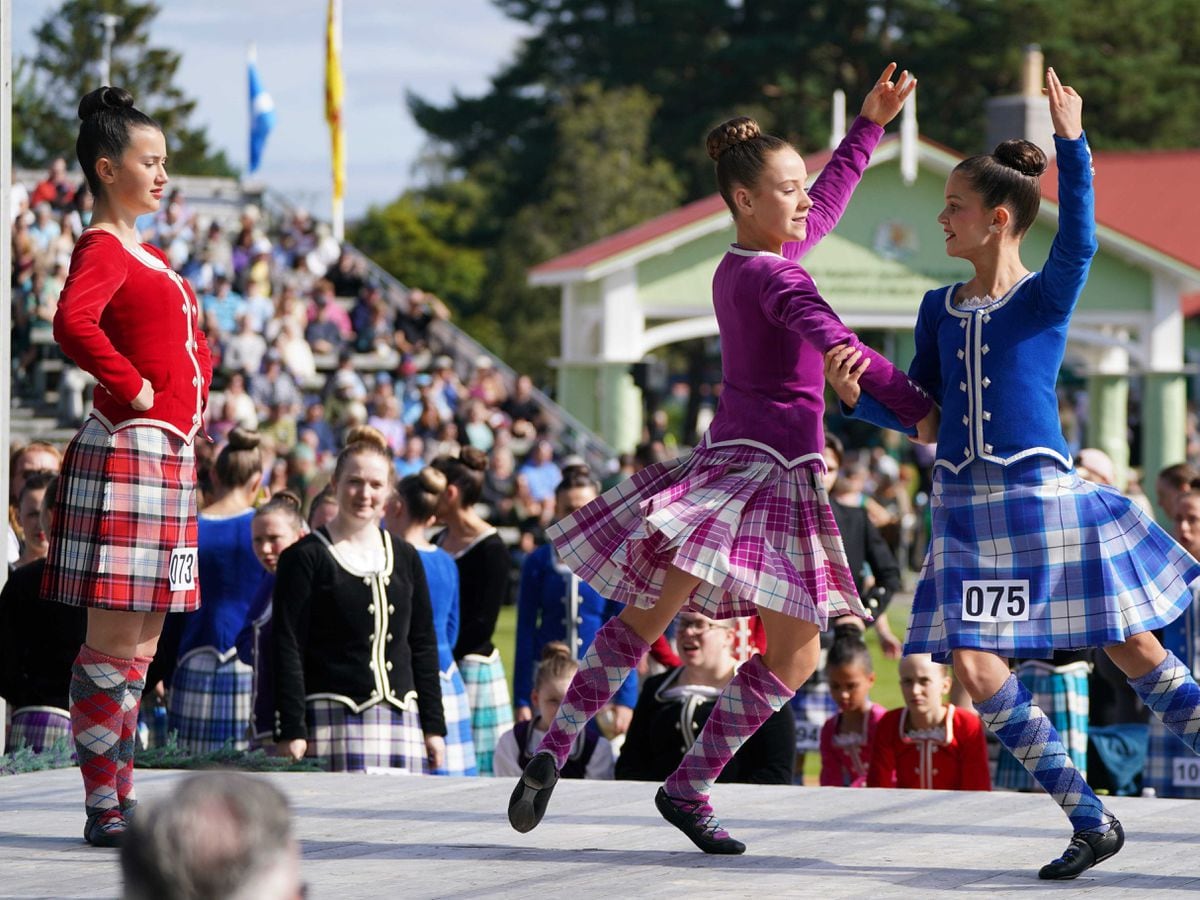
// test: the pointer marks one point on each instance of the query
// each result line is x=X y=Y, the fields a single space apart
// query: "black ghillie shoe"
x=105 y=829
x=697 y=820
x=1087 y=848
x=528 y=802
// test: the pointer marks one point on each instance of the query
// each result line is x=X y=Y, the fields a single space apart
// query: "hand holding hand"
x=1066 y=107
x=887 y=98
x=842 y=373
x=144 y=399
x=927 y=428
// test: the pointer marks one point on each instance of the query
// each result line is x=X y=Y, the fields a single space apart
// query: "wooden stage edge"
x=413 y=837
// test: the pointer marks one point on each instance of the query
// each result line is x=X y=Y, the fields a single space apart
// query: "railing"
x=565 y=430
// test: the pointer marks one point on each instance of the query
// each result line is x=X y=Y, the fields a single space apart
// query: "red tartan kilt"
x=125 y=501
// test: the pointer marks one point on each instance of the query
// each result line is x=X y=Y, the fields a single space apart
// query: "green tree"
x=64 y=68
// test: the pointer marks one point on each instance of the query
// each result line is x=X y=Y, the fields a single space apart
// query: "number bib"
x=183 y=568
x=995 y=601
x=808 y=736
x=1185 y=771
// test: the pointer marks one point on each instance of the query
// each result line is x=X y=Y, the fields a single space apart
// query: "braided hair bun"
x=729 y=134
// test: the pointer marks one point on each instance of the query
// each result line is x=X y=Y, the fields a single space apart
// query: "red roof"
x=650 y=230
x=1127 y=185
x=1151 y=196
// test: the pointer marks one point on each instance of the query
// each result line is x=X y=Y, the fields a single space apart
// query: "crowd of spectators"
x=306 y=341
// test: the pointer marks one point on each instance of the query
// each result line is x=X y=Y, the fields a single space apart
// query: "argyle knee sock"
x=1172 y=693
x=752 y=697
x=129 y=730
x=1030 y=737
x=98 y=693
x=614 y=652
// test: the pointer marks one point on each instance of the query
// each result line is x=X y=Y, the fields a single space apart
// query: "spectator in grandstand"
x=274 y=385
x=540 y=472
x=222 y=307
x=244 y=350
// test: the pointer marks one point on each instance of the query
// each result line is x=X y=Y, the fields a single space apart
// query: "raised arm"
x=1066 y=269
x=835 y=185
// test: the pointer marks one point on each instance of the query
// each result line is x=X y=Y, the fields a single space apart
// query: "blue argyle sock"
x=1029 y=736
x=1172 y=693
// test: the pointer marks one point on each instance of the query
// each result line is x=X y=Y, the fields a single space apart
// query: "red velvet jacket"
x=125 y=315
x=950 y=758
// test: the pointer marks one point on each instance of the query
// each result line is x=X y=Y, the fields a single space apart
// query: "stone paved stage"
x=379 y=836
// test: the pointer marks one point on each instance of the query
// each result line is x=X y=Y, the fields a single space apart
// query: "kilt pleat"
x=460 y=744
x=38 y=727
x=756 y=532
x=209 y=703
x=125 y=501
x=379 y=737
x=1099 y=569
x=490 y=702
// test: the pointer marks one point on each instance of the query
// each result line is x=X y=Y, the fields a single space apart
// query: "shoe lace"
x=704 y=817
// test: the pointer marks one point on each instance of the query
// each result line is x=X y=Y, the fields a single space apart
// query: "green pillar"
x=1108 y=419
x=1164 y=429
x=604 y=398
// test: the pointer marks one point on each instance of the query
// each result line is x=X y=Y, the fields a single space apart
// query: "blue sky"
x=389 y=47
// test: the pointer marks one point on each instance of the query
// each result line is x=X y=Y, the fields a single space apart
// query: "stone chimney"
x=1026 y=115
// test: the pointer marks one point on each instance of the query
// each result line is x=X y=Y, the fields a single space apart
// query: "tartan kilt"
x=125 y=501
x=460 y=745
x=379 y=737
x=756 y=532
x=491 y=704
x=1099 y=569
x=813 y=705
x=1162 y=749
x=1062 y=694
x=209 y=703
x=38 y=727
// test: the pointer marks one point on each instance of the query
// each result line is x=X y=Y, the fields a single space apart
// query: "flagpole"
x=334 y=91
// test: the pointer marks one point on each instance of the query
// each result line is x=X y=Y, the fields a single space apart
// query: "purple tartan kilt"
x=1099 y=569
x=38 y=727
x=125 y=501
x=757 y=533
x=379 y=737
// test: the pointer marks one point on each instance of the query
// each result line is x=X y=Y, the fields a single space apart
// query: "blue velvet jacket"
x=542 y=617
x=993 y=370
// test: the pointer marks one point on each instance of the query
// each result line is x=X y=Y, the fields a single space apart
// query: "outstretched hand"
x=887 y=97
x=1066 y=107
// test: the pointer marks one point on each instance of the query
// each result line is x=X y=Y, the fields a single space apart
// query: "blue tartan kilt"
x=1099 y=569
x=1162 y=750
x=491 y=704
x=1062 y=694
x=460 y=745
x=209 y=702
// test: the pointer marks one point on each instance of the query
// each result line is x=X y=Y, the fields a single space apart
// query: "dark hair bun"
x=1024 y=156
x=729 y=134
x=244 y=439
x=474 y=458
x=104 y=99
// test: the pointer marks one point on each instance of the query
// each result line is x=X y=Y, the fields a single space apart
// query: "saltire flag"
x=262 y=112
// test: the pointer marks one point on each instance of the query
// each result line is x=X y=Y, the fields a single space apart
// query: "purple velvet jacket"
x=775 y=329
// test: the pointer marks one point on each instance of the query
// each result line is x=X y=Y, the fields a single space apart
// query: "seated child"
x=928 y=743
x=592 y=755
x=847 y=736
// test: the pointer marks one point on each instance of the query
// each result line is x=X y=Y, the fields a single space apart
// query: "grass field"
x=887 y=682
